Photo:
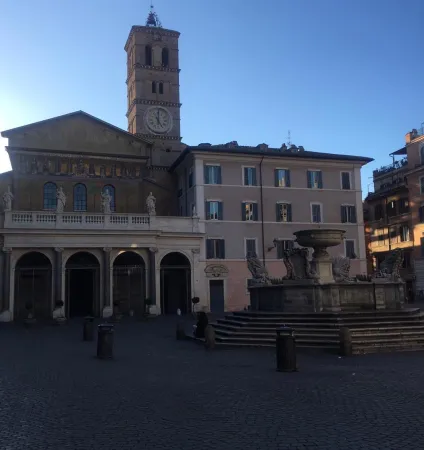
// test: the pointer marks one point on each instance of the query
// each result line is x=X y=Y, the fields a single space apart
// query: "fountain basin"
x=319 y=237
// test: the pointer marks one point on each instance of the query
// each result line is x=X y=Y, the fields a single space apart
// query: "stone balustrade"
x=96 y=221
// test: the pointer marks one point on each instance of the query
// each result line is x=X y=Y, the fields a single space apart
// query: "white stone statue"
x=7 y=199
x=106 y=202
x=151 y=205
x=61 y=200
x=194 y=212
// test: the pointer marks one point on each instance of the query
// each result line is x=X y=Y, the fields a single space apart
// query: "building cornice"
x=158 y=136
x=150 y=30
x=139 y=101
x=157 y=68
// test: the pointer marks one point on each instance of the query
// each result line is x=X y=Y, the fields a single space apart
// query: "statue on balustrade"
x=61 y=200
x=7 y=200
x=106 y=202
x=151 y=205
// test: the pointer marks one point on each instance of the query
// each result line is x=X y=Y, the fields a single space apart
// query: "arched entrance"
x=129 y=282
x=175 y=274
x=33 y=286
x=82 y=285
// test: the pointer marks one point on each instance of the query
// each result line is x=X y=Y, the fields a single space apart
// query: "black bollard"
x=105 y=341
x=286 y=350
x=345 y=342
x=88 y=329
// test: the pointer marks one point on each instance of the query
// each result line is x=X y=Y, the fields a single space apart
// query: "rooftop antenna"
x=289 y=139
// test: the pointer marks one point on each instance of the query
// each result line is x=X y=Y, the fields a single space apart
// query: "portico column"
x=58 y=275
x=107 y=300
x=5 y=315
x=152 y=275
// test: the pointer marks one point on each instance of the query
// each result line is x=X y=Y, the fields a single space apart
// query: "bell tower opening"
x=153 y=88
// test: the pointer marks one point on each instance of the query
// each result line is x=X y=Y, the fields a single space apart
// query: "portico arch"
x=129 y=282
x=175 y=279
x=33 y=286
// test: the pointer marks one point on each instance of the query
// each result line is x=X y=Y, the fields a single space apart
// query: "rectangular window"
x=214 y=210
x=421 y=213
x=212 y=174
x=316 y=215
x=282 y=177
x=406 y=263
x=190 y=177
x=391 y=208
x=350 y=248
x=346 y=180
x=403 y=206
x=378 y=212
x=422 y=185
x=250 y=247
x=215 y=249
x=393 y=235
x=284 y=212
x=404 y=233
x=249 y=176
x=314 y=179
x=348 y=214
x=249 y=211
x=282 y=246
x=380 y=237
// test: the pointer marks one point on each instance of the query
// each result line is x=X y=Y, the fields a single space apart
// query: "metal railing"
x=401 y=163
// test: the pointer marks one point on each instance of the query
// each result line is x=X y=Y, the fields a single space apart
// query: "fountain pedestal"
x=322 y=265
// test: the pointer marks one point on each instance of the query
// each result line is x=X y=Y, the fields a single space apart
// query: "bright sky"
x=344 y=76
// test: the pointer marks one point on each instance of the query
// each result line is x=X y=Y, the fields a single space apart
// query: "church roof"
x=264 y=150
x=12 y=131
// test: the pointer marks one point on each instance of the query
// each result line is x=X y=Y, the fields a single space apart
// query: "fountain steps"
x=371 y=332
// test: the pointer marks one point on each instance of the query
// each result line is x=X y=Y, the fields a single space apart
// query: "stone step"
x=299 y=341
x=299 y=335
x=255 y=330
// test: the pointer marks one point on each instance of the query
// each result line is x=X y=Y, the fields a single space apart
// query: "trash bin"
x=88 y=329
x=286 y=350
x=105 y=341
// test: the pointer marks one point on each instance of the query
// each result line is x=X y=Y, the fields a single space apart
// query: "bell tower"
x=153 y=88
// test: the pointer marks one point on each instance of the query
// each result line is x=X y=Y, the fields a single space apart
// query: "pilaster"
x=6 y=314
x=58 y=275
x=152 y=276
x=107 y=297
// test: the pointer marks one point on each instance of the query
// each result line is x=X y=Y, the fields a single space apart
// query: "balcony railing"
x=391 y=167
x=90 y=221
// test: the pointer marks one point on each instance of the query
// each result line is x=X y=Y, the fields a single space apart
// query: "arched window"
x=148 y=55
x=111 y=190
x=165 y=57
x=49 y=196
x=160 y=88
x=154 y=87
x=80 y=197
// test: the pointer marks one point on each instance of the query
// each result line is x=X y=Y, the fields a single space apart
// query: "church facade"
x=95 y=216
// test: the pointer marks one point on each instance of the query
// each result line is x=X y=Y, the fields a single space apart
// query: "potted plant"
x=194 y=301
x=30 y=319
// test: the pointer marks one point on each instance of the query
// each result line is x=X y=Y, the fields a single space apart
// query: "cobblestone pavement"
x=160 y=393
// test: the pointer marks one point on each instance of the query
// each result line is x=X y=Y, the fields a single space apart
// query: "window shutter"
x=289 y=213
x=343 y=214
x=219 y=175
x=288 y=178
x=206 y=173
x=353 y=214
x=309 y=177
x=207 y=210
x=278 y=212
x=320 y=180
x=255 y=211
x=345 y=180
x=220 y=211
x=276 y=178
x=290 y=245
x=221 y=246
x=209 y=248
x=246 y=176
x=254 y=176
x=243 y=211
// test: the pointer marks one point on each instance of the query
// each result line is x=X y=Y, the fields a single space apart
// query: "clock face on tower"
x=158 y=120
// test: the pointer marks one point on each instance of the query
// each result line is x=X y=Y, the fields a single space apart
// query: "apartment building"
x=255 y=198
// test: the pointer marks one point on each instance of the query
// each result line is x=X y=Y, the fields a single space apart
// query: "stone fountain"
x=324 y=283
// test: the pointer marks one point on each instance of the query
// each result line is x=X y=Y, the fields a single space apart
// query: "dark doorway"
x=175 y=277
x=216 y=296
x=129 y=282
x=33 y=286
x=82 y=285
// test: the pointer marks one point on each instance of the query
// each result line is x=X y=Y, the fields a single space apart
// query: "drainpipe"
x=262 y=211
